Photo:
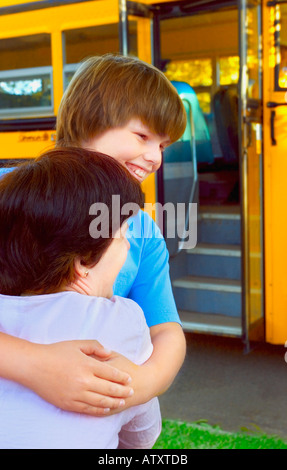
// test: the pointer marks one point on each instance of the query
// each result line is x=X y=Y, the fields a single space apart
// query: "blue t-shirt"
x=144 y=277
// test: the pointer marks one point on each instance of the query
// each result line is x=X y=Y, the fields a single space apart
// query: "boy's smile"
x=134 y=145
x=138 y=172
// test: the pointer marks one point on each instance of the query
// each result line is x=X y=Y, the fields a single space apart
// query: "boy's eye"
x=142 y=136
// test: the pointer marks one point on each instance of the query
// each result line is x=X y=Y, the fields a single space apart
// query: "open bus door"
x=275 y=167
x=212 y=295
x=250 y=143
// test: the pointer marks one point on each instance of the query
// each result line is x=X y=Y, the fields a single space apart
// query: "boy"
x=127 y=109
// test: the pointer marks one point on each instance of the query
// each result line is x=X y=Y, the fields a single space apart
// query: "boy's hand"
x=76 y=376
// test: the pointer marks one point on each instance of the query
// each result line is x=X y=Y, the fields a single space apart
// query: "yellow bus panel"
x=17 y=145
x=9 y=3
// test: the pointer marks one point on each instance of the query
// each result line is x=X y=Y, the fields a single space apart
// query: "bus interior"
x=200 y=55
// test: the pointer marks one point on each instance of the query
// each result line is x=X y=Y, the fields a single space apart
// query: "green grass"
x=200 y=435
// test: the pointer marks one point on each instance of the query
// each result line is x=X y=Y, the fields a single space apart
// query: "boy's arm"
x=155 y=376
x=168 y=355
x=152 y=290
x=65 y=374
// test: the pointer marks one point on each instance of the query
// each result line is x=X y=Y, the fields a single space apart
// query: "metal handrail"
x=184 y=96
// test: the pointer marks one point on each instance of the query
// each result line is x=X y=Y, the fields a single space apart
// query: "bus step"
x=208 y=295
x=219 y=225
x=221 y=261
x=210 y=324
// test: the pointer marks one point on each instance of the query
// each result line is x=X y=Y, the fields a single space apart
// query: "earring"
x=86 y=273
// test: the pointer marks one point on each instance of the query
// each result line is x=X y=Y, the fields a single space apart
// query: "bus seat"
x=204 y=152
x=210 y=121
x=225 y=104
x=180 y=151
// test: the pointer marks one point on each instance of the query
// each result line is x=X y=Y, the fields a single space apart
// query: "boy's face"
x=133 y=145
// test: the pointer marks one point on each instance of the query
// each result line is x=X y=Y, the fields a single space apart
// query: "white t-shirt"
x=28 y=421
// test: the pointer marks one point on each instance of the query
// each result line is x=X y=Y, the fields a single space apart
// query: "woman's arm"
x=66 y=374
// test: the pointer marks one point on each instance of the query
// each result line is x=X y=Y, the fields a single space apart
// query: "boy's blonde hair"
x=108 y=91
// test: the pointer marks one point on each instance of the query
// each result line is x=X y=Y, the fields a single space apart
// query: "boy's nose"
x=154 y=156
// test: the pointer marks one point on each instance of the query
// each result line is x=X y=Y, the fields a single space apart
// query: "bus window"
x=228 y=70
x=84 y=42
x=26 y=92
x=201 y=74
x=95 y=40
x=25 y=52
x=26 y=76
x=281 y=47
x=202 y=39
x=197 y=73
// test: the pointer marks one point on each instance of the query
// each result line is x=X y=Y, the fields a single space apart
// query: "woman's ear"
x=80 y=269
x=81 y=282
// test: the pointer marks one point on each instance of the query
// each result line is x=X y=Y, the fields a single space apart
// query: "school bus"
x=228 y=61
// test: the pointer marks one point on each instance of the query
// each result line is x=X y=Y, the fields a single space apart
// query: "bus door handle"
x=273 y=104
x=272 y=128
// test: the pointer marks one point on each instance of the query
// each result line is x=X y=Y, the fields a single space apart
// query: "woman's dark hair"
x=45 y=219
